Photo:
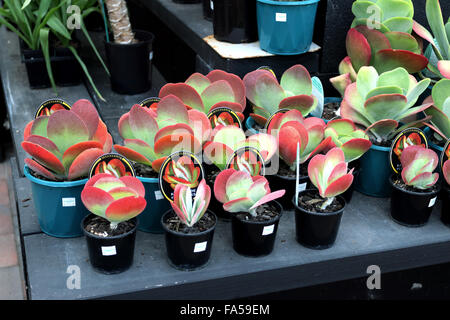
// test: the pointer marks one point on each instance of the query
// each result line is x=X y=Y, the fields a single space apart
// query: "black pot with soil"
x=235 y=21
x=316 y=228
x=208 y=7
x=409 y=206
x=66 y=69
x=445 y=210
x=255 y=236
x=131 y=64
x=188 y=248
x=110 y=251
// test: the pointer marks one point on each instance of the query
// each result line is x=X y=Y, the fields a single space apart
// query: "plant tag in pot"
x=406 y=138
x=181 y=167
x=273 y=115
x=50 y=106
x=268 y=230
x=247 y=159
x=200 y=247
x=432 y=202
x=281 y=17
x=109 y=251
x=224 y=116
x=69 y=202
x=114 y=164
x=150 y=102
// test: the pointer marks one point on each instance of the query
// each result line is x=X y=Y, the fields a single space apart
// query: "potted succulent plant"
x=415 y=192
x=256 y=215
x=234 y=21
x=48 y=46
x=438 y=51
x=129 y=54
x=189 y=227
x=295 y=91
x=380 y=36
x=110 y=230
x=291 y=129
x=380 y=103
x=440 y=115
x=352 y=141
x=445 y=194
x=217 y=152
x=286 y=27
x=152 y=134
x=62 y=147
x=205 y=93
x=318 y=212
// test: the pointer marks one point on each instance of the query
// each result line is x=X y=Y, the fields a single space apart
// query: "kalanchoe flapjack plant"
x=291 y=129
x=240 y=192
x=378 y=102
x=346 y=136
x=440 y=110
x=191 y=209
x=115 y=199
x=227 y=139
x=205 y=93
x=446 y=171
x=151 y=135
x=439 y=50
x=64 y=144
x=329 y=173
x=418 y=165
x=380 y=36
x=182 y=171
x=268 y=96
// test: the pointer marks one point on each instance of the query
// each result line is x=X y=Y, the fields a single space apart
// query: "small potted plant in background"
x=380 y=103
x=205 y=93
x=189 y=227
x=129 y=53
x=110 y=230
x=295 y=91
x=286 y=27
x=291 y=130
x=256 y=214
x=318 y=212
x=149 y=136
x=415 y=192
x=383 y=41
x=48 y=46
x=445 y=194
x=224 y=142
x=62 y=146
x=352 y=141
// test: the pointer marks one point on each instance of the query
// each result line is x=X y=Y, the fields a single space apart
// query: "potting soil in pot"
x=398 y=182
x=312 y=201
x=205 y=223
x=101 y=227
x=265 y=212
x=330 y=109
x=144 y=171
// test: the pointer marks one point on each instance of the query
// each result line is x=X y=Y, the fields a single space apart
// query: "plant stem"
x=326 y=203
x=113 y=225
x=120 y=22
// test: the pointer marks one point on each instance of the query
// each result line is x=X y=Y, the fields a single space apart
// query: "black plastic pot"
x=409 y=208
x=208 y=6
x=235 y=21
x=188 y=251
x=445 y=210
x=130 y=64
x=253 y=238
x=278 y=182
x=66 y=69
x=317 y=230
x=110 y=255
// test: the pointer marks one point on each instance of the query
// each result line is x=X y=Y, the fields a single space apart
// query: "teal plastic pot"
x=375 y=171
x=150 y=219
x=58 y=206
x=286 y=28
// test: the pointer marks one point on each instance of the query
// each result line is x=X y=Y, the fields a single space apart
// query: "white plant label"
x=281 y=17
x=200 y=247
x=68 y=202
x=268 y=230
x=158 y=195
x=211 y=4
x=109 y=251
x=432 y=202
x=302 y=187
x=150 y=56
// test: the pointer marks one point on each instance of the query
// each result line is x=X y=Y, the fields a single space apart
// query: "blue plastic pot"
x=58 y=206
x=286 y=28
x=375 y=171
x=250 y=124
x=150 y=219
